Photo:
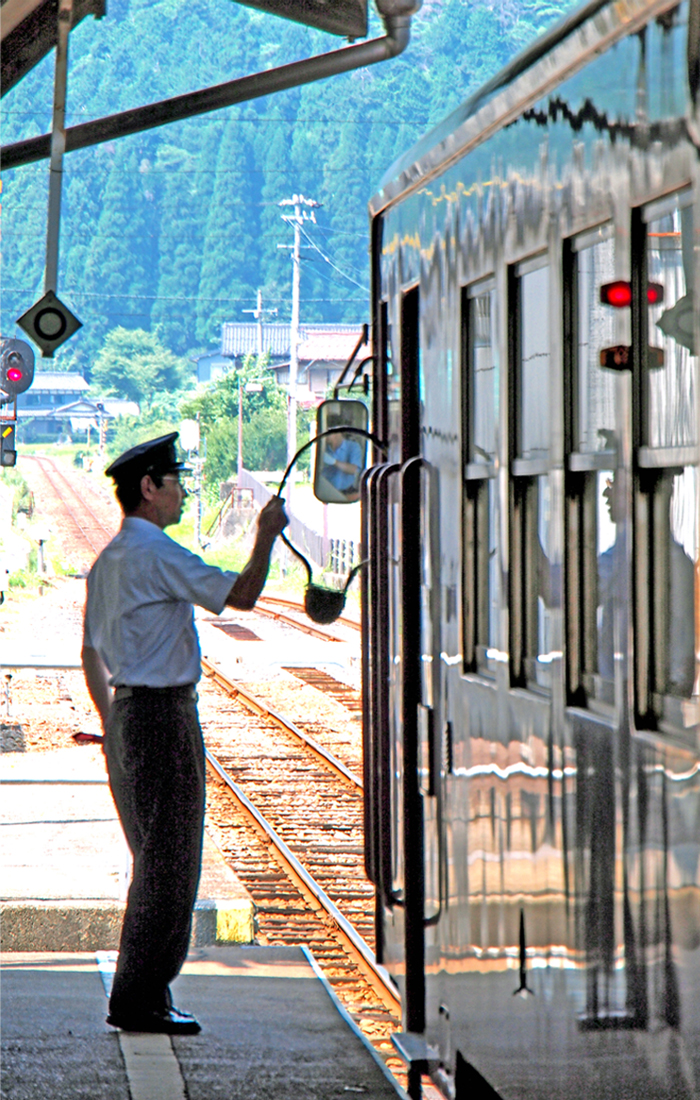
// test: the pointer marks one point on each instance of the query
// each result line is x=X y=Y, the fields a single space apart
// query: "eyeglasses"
x=176 y=479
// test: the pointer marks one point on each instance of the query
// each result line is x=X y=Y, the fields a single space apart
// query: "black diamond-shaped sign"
x=49 y=323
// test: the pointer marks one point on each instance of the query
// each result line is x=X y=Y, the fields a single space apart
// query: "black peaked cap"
x=155 y=456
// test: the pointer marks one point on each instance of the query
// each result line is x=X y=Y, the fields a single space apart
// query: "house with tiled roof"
x=38 y=409
x=322 y=353
x=57 y=404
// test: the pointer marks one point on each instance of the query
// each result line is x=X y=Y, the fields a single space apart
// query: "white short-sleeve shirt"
x=139 y=614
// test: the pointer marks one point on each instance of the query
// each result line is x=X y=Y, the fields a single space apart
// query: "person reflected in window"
x=681 y=621
x=342 y=464
x=610 y=576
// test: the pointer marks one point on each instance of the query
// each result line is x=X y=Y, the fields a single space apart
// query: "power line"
x=334 y=266
x=180 y=298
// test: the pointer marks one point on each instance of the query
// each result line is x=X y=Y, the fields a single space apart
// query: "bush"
x=23 y=501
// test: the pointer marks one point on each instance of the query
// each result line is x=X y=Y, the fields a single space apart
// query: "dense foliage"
x=134 y=365
x=264 y=419
x=172 y=231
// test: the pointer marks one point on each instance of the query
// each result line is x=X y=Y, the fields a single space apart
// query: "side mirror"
x=341 y=456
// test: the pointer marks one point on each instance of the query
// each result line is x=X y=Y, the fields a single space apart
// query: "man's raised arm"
x=251 y=580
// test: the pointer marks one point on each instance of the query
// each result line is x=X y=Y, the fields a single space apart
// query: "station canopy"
x=29 y=27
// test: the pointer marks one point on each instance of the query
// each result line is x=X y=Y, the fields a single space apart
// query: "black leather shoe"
x=169 y=1022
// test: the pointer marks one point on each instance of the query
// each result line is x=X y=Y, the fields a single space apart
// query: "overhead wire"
x=329 y=261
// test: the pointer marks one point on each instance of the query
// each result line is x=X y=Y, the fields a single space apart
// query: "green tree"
x=264 y=420
x=134 y=365
x=230 y=261
x=121 y=259
x=185 y=195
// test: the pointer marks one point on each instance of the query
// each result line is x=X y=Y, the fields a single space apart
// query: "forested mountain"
x=173 y=231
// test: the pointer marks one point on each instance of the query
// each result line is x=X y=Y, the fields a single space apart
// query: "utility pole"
x=258 y=314
x=304 y=210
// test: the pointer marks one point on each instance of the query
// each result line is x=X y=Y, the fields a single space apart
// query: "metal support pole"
x=294 y=348
x=58 y=144
x=198 y=464
x=239 y=468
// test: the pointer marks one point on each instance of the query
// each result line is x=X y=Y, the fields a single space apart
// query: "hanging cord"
x=324 y=605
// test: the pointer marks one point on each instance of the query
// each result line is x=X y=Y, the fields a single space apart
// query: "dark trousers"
x=155 y=761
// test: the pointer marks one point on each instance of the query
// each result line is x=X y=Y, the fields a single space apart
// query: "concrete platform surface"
x=271 y=1030
x=66 y=865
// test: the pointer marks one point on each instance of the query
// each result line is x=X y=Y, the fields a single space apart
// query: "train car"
x=532 y=601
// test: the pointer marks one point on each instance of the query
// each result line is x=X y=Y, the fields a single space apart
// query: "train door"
x=406 y=655
x=394 y=509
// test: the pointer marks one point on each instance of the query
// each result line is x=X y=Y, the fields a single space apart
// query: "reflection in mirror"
x=341 y=457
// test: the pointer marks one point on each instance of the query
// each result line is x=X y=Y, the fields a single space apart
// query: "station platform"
x=272 y=1029
x=66 y=865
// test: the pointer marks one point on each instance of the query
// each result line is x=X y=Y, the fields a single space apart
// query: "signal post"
x=16 y=376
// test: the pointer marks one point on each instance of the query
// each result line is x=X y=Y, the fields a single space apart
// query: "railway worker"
x=141 y=660
x=342 y=464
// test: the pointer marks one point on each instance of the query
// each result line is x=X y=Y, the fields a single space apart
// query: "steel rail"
x=108 y=531
x=56 y=488
x=307 y=628
x=317 y=897
x=52 y=473
x=257 y=706
x=293 y=605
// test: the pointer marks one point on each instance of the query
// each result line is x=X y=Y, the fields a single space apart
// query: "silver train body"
x=532 y=602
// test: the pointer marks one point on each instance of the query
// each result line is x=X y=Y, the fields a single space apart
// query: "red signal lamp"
x=14 y=374
x=619 y=294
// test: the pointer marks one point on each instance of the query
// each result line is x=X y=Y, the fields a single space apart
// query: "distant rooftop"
x=57 y=381
x=329 y=343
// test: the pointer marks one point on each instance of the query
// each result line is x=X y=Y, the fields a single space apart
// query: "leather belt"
x=128 y=691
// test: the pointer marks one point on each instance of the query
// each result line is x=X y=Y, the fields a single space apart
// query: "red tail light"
x=619 y=294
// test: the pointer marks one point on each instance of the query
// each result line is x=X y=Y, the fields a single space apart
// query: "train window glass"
x=535 y=577
x=393 y=381
x=594 y=555
x=534 y=382
x=595 y=388
x=679 y=657
x=485 y=377
x=599 y=667
x=666 y=496
x=671 y=376
x=481 y=380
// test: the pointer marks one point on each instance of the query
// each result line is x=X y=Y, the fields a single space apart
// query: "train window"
x=392 y=366
x=593 y=485
x=666 y=487
x=534 y=575
x=595 y=388
x=670 y=377
x=480 y=387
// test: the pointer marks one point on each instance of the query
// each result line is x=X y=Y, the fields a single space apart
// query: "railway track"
x=279 y=608
x=287 y=814
x=290 y=824
x=88 y=528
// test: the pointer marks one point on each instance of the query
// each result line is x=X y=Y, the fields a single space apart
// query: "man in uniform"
x=141 y=660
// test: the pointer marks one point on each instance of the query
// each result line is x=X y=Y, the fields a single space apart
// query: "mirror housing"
x=341 y=457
